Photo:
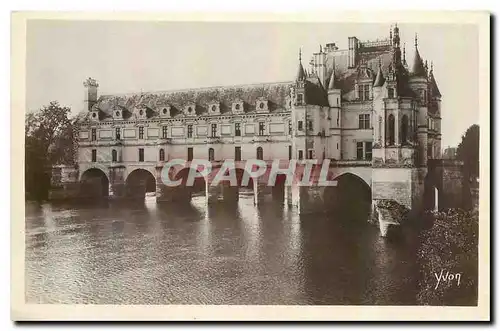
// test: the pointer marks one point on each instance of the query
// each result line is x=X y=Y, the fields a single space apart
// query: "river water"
x=144 y=253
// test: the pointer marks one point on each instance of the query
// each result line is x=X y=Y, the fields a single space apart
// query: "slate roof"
x=277 y=95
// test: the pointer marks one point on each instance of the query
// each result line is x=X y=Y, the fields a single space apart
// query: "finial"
x=300 y=53
x=416 y=40
x=390 y=34
x=404 y=52
x=380 y=62
x=432 y=66
x=320 y=49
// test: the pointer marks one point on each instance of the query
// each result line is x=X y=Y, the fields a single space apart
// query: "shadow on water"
x=219 y=253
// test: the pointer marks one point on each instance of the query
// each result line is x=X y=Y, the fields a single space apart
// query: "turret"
x=334 y=93
x=300 y=81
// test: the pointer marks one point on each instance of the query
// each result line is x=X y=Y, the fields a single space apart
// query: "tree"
x=49 y=140
x=468 y=151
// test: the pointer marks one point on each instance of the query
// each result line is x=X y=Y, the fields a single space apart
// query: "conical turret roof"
x=331 y=84
x=379 y=80
x=434 y=88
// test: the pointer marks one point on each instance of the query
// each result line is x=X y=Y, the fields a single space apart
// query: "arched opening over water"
x=278 y=189
x=94 y=183
x=350 y=199
x=140 y=183
x=198 y=188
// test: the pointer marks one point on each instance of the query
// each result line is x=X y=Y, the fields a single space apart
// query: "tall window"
x=310 y=125
x=260 y=153
x=261 y=128
x=300 y=97
x=141 y=132
x=364 y=121
x=364 y=92
x=114 y=155
x=390 y=92
x=237 y=129
x=211 y=154
x=94 y=155
x=310 y=154
x=289 y=152
x=300 y=126
x=141 y=154
x=359 y=150
x=162 y=154
x=190 y=154
x=290 y=127
x=164 y=130
x=301 y=154
x=214 y=130
x=380 y=129
x=368 y=150
x=117 y=134
x=94 y=134
x=404 y=129
x=190 y=130
x=390 y=130
x=237 y=153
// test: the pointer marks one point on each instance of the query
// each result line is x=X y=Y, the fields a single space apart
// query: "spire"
x=331 y=85
x=396 y=36
x=301 y=75
x=434 y=88
x=379 y=80
x=418 y=68
x=390 y=34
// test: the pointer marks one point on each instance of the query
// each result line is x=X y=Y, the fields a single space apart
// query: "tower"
x=298 y=97
x=418 y=84
x=335 y=115
x=319 y=65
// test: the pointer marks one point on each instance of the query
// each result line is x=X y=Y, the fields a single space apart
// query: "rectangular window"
x=367 y=92
x=94 y=134
x=300 y=126
x=164 y=130
x=237 y=129
x=114 y=155
x=117 y=134
x=390 y=92
x=368 y=150
x=94 y=155
x=289 y=152
x=301 y=156
x=300 y=97
x=261 y=128
x=310 y=125
x=141 y=132
x=290 y=128
x=190 y=154
x=237 y=153
x=359 y=151
x=310 y=154
x=141 y=154
x=364 y=121
x=214 y=130
x=190 y=131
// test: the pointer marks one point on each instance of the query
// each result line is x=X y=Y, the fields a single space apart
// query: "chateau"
x=364 y=108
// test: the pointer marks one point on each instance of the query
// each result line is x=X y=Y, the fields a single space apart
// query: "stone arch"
x=363 y=173
x=94 y=182
x=139 y=182
x=351 y=197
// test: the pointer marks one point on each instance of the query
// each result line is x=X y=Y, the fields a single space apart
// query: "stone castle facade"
x=364 y=108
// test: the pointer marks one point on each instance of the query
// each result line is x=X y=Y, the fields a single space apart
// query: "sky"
x=127 y=56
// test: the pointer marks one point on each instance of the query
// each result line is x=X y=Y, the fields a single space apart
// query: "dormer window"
x=261 y=105
x=164 y=111
x=94 y=116
x=141 y=112
x=238 y=107
x=190 y=109
x=214 y=108
x=300 y=98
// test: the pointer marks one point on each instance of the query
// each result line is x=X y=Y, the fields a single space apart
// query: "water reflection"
x=144 y=253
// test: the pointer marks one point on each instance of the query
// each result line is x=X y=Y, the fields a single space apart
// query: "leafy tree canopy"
x=468 y=151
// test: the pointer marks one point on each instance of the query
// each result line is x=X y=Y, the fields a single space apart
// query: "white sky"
x=151 y=56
